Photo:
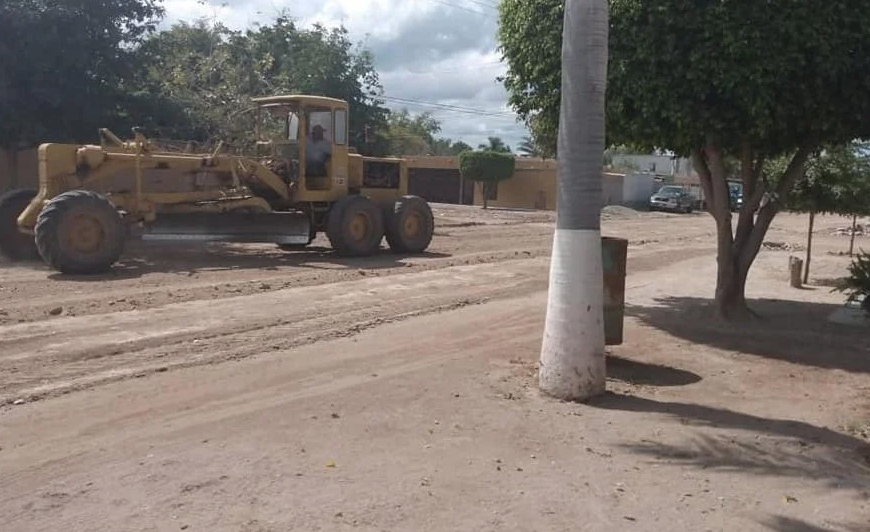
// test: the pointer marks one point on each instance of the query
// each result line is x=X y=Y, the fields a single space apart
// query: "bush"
x=488 y=167
x=857 y=285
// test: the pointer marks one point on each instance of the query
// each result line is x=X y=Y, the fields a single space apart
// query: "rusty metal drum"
x=614 y=256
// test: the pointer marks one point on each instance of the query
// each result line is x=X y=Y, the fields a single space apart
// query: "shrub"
x=488 y=167
x=857 y=284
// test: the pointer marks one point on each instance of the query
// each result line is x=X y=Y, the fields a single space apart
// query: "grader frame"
x=91 y=196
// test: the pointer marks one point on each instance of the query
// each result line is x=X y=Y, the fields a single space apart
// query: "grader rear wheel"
x=15 y=245
x=355 y=227
x=80 y=232
x=410 y=225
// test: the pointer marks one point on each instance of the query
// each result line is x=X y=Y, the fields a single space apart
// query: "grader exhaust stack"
x=303 y=179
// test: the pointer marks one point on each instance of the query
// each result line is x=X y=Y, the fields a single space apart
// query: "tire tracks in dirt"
x=49 y=358
x=77 y=352
x=261 y=273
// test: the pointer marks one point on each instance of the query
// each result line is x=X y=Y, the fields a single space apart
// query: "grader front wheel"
x=410 y=225
x=80 y=232
x=15 y=245
x=355 y=227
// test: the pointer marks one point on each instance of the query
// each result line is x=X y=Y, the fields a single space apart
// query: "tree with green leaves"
x=836 y=181
x=711 y=80
x=409 y=134
x=449 y=147
x=487 y=167
x=857 y=284
x=531 y=147
x=212 y=72
x=495 y=144
x=63 y=66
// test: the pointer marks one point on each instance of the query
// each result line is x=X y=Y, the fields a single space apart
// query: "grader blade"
x=273 y=227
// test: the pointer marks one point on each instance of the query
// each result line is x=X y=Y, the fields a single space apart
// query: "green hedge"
x=486 y=165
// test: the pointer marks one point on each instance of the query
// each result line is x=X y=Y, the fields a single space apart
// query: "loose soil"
x=242 y=388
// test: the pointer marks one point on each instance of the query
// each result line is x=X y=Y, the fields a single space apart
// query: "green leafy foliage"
x=193 y=81
x=857 y=284
x=495 y=144
x=213 y=72
x=737 y=80
x=63 y=64
x=530 y=39
x=837 y=181
x=407 y=134
x=487 y=165
x=681 y=70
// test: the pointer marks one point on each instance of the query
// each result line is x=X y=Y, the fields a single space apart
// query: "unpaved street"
x=241 y=388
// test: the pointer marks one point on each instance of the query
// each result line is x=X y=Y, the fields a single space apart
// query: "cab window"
x=322 y=119
x=341 y=126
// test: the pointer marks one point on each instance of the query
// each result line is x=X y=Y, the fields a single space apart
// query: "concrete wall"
x=663 y=165
x=18 y=171
x=535 y=188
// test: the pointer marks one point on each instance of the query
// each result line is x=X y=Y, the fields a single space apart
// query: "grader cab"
x=302 y=179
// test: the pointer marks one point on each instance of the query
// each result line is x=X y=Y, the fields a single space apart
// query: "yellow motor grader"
x=303 y=179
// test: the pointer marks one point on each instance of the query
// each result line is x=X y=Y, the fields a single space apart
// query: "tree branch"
x=704 y=176
x=753 y=192
x=795 y=169
x=719 y=185
x=747 y=156
x=768 y=212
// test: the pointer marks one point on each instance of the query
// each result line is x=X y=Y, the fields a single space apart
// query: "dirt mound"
x=620 y=212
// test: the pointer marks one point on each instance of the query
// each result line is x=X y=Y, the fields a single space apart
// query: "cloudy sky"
x=432 y=55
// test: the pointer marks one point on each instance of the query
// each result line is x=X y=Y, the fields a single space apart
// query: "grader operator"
x=302 y=179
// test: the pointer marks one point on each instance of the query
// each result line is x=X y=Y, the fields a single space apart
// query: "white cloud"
x=438 y=51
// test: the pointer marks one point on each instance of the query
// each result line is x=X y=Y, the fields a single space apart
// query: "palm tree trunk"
x=572 y=352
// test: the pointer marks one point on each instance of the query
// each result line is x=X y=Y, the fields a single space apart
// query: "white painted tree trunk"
x=572 y=352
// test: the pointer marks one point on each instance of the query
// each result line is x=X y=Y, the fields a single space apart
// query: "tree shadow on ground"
x=764 y=446
x=792 y=331
x=787 y=524
x=645 y=374
x=142 y=258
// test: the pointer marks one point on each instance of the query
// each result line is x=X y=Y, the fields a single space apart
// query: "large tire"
x=355 y=227
x=15 y=245
x=410 y=225
x=80 y=232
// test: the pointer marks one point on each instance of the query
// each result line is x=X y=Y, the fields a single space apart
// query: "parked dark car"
x=736 y=193
x=672 y=199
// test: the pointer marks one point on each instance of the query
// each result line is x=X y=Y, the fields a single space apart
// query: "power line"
x=485 y=4
x=448 y=107
x=464 y=8
x=480 y=66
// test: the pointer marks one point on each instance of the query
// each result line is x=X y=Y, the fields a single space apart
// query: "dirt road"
x=241 y=388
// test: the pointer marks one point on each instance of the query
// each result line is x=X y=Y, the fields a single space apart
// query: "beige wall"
x=18 y=174
x=534 y=187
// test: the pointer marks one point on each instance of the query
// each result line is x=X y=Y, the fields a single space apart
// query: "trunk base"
x=735 y=310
